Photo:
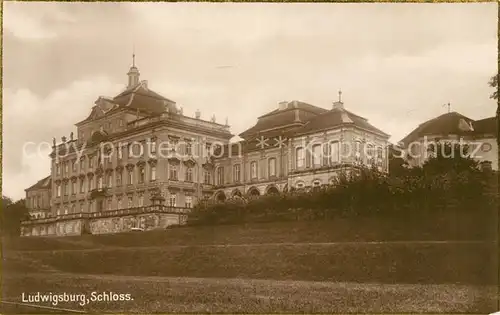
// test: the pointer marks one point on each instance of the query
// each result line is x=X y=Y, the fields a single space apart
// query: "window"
x=141 y=200
x=357 y=150
x=173 y=172
x=317 y=183
x=141 y=175
x=119 y=202
x=172 y=200
x=66 y=167
x=153 y=146
x=109 y=205
x=120 y=122
x=236 y=173
x=207 y=178
x=370 y=151
x=316 y=152
x=189 y=148
x=189 y=202
x=208 y=149
x=130 y=202
x=73 y=187
x=82 y=185
x=300 y=185
x=335 y=152
x=82 y=164
x=119 y=178
x=91 y=162
x=81 y=207
x=99 y=182
x=220 y=175
x=110 y=180
x=173 y=145
x=73 y=208
x=91 y=183
x=189 y=174
x=66 y=189
x=119 y=153
x=271 y=167
x=58 y=169
x=130 y=177
x=253 y=169
x=380 y=154
x=153 y=173
x=299 y=157
x=73 y=165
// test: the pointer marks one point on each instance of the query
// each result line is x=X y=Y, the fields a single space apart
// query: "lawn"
x=176 y=295
x=335 y=266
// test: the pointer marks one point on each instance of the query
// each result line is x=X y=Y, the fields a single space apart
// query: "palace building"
x=480 y=136
x=139 y=163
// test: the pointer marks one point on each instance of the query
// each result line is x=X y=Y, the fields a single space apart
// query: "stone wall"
x=126 y=223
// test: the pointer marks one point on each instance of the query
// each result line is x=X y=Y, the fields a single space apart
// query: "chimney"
x=197 y=114
x=282 y=105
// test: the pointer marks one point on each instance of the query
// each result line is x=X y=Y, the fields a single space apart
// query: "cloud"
x=34 y=21
x=29 y=118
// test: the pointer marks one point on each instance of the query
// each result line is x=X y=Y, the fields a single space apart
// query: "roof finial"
x=340 y=96
x=133 y=55
x=449 y=106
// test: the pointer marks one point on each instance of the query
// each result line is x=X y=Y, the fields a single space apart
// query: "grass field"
x=275 y=267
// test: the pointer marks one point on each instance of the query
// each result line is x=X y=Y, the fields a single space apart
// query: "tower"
x=133 y=74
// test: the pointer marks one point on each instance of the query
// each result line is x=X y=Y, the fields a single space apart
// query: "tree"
x=12 y=215
x=494 y=84
x=447 y=157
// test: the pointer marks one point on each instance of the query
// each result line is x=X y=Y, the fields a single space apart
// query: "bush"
x=440 y=186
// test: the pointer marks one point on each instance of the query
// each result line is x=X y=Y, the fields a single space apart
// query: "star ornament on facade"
x=281 y=141
x=262 y=142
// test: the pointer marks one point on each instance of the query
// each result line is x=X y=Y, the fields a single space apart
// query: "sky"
x=396 y=64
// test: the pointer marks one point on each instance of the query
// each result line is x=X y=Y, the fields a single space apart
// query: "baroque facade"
x=139 y=162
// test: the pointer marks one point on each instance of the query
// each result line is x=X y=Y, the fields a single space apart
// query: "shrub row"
x=369 y=193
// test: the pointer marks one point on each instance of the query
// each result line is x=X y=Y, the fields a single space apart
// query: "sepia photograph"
x=220 y=157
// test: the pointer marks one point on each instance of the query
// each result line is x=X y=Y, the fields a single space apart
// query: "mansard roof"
x=135 y=98
x=335 y=118
x=451 y=124
x=44 y=183
x=299 y=118
x=295 y=114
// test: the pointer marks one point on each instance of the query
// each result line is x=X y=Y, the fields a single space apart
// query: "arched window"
x=300 y=185
x=141 y=175
x=299 y=157
x=272 y=167
x=357 y=150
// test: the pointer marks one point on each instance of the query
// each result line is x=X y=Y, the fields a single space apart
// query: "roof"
x=451 y=124
x=294 y=115
x=137 y=97
x=44 y=183
x=335 y=118
x=486 y=126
